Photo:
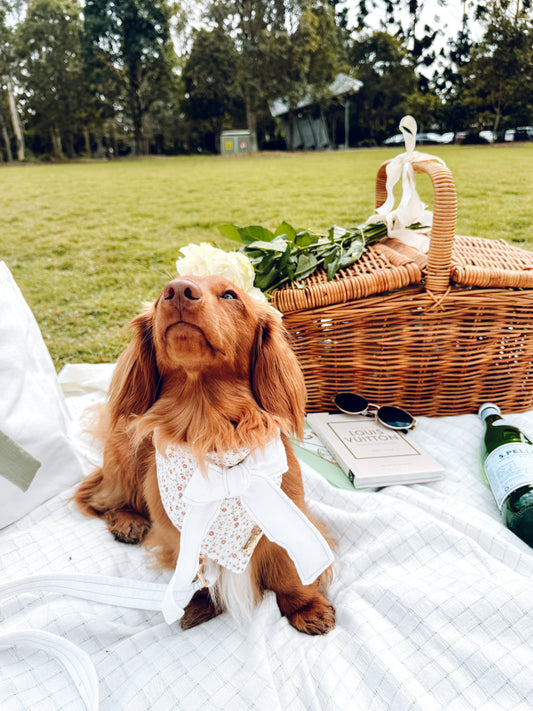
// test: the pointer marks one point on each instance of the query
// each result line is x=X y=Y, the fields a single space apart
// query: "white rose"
x=203 y=260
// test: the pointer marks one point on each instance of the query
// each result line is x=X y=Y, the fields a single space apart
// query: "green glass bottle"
x=509 y=469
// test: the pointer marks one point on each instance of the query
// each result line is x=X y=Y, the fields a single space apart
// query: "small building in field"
x=314 y=128
x=237 y=141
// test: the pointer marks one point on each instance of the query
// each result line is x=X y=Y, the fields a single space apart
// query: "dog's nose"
x=182 y=290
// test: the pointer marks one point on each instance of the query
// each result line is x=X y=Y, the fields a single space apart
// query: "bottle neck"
x=491 y=418
x=489 y=412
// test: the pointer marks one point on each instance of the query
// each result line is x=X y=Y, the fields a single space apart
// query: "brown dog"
x=211 y=369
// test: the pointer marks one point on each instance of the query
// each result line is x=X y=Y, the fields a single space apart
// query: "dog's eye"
x=229 y=295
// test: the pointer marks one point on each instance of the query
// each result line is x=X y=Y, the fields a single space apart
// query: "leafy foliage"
x=113 y=76
x=130 y=39
x=499 y=71
x=49 y=49
x=388 y=80
x=210 y=79
x=287 y=255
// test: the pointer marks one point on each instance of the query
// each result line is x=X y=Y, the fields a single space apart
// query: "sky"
x=451 y=15
x=448 y=18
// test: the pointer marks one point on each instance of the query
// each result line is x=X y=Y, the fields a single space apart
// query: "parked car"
x=421 y=138
x=448 y=137
x=393 y=140
x=489 y=136
x=523 y=133
x=520 y=133
x=468 y=136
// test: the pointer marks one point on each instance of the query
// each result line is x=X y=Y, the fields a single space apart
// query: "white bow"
x=411 y=208
x=279 y=518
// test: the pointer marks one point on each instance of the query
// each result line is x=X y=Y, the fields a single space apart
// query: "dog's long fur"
x=212 y=368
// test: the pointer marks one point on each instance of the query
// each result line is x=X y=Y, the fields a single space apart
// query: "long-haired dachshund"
x=209 y=371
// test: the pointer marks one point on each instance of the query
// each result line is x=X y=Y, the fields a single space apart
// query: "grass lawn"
x=89 y=242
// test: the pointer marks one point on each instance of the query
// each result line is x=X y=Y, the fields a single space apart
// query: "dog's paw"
x=200 y=609
x=127 y=526
x=317 y=617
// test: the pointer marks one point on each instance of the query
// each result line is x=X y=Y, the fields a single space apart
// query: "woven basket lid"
x=390 y=265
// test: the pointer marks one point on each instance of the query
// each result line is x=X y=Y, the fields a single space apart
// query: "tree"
x=301 y=63
x=403 y=18
x=129 y=48
x=456 y=112
x=382 y=63
x=211 y=84
x=49 y=46
x=499 y=77
x=8 y=67
x=246 y=21
x=285 y=48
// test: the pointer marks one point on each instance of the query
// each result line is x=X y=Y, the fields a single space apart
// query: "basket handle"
x=444 y=220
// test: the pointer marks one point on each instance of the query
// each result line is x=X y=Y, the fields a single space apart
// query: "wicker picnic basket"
x=437 y=334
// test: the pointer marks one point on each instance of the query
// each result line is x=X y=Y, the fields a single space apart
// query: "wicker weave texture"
x=437 y=334
x=380 y=269
x=475 y=346
x=471 y=261
x=484 y=262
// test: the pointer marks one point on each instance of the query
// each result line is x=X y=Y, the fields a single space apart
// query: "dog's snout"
x=182 y=289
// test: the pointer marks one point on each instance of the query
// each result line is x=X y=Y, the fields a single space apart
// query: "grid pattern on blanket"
x=433 y=599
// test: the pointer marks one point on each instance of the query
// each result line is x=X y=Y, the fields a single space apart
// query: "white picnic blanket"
x=433 y=595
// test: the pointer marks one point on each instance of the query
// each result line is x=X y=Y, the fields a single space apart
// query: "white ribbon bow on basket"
x=411 y=209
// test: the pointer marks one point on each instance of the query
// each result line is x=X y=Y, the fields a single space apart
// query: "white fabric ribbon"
x=104 y=589
x=411 y=209
x=279 y=518
x=77 y=663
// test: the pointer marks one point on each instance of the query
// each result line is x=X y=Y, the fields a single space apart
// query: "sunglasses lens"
x=350 y=403
x=395 y=417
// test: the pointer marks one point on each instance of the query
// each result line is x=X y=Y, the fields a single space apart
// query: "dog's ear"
x=275 y=375
x=135 y=382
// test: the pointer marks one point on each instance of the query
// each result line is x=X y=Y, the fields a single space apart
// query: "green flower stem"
x=278 y=255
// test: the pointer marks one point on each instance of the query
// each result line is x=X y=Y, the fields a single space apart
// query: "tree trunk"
x=57 y=148
x=87 y=139
x=292 y=129
x=5 y=136
x=15 y=120
x=114 y=141
x=69 y=141
x=251 y=120
x=497 y=119
x=100 y=150
x=136 y=117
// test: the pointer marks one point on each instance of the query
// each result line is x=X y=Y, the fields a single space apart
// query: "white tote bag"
x=38 y=458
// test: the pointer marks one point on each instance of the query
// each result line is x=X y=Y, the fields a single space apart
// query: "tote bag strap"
x=77 y=663
x=122 y=592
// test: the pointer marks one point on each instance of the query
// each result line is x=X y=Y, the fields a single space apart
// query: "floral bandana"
x=228 y=541
x=220 y=511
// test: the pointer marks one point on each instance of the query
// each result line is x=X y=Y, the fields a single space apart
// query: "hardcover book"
x=372 y=455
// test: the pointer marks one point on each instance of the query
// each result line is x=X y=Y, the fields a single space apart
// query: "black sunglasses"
x=390 y=416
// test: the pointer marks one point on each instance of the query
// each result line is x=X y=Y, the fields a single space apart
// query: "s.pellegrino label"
x=508 y=467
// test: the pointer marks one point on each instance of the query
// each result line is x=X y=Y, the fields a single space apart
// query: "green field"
x=88 y=243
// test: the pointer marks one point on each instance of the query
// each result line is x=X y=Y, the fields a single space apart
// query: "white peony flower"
x=203 y=260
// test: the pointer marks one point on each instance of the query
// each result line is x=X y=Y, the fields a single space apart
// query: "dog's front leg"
x=99 y=496
x=304 y=606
